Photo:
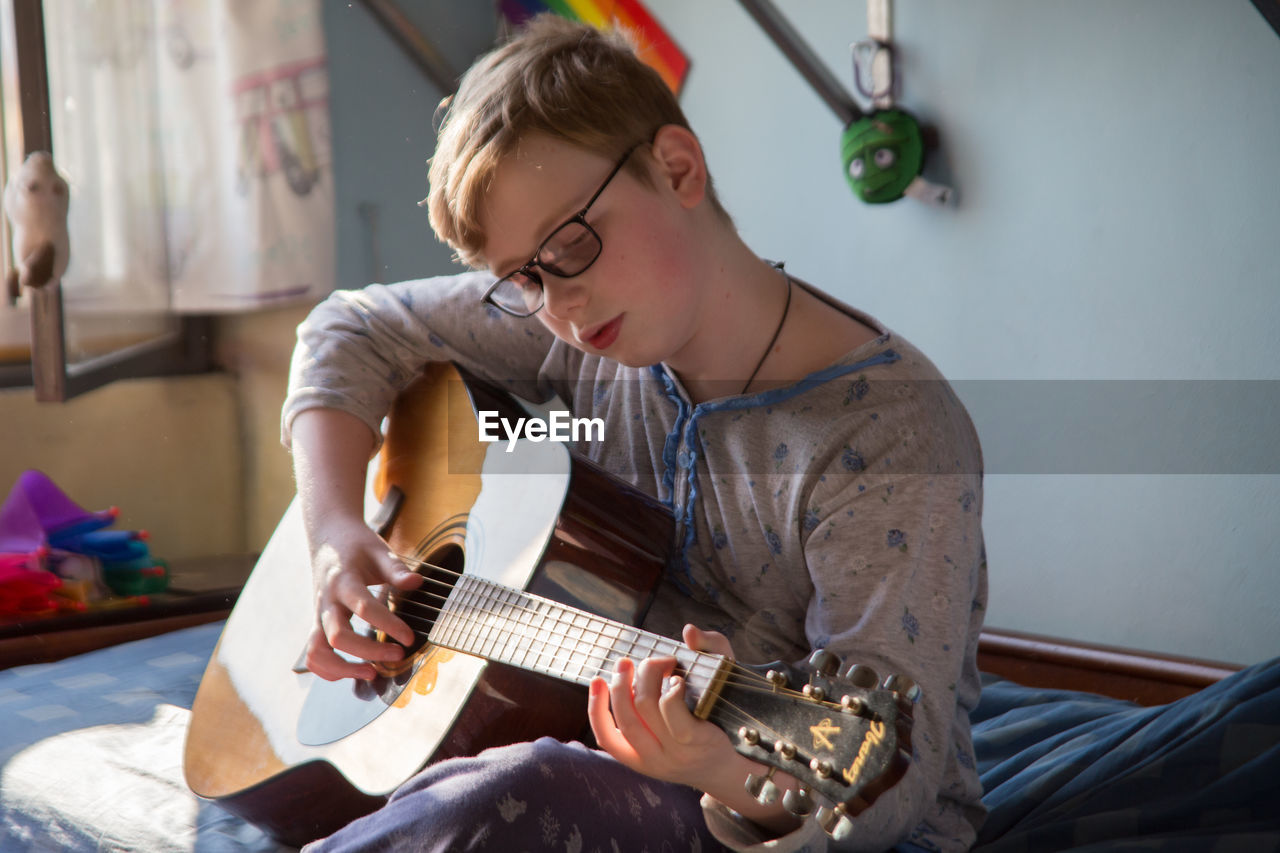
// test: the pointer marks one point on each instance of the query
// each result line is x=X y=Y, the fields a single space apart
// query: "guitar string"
x=566 y=643
x=753 y=680
x=724 y=710
x=740 y=678
x=559 y=644
x=576 y=644
x=737 y=677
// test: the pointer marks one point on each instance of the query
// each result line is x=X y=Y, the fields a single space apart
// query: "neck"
x=742 y=300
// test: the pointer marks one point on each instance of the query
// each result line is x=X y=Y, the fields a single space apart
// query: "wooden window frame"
x=187 y=350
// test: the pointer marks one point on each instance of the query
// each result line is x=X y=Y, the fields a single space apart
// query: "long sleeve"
x=358 y=349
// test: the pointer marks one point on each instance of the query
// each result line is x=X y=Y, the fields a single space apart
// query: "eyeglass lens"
x=568 y=252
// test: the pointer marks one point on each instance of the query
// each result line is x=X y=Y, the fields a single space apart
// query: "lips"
x=602 y=337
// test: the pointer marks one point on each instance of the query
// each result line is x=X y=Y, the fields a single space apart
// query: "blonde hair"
x=569 y=81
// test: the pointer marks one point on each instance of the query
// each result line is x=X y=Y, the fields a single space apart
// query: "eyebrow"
x=546 y=225
x=544 y=228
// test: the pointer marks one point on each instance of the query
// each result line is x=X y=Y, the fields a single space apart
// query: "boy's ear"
x=680 y=164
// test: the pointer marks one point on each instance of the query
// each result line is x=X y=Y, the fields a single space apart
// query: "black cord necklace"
x=786 y=309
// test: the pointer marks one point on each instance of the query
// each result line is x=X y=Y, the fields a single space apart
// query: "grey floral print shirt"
x=840 y=512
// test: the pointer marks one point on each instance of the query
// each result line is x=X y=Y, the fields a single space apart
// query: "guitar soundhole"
x=419 y=607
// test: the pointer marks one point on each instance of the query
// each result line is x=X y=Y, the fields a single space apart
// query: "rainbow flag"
x=656 y=48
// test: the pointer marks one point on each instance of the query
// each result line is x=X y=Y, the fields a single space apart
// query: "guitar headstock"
x=843 y=732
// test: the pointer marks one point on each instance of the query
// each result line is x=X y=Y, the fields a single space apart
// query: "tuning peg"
x=814 y=692
x=776 y=678
x=797 y=801
x=824 y=662
x=763 y=788
x=834 y=822
x=904 y=687
x=750 y=737
x=822 y=767
x=862 y=676
x=785 y=749
x=852 y=705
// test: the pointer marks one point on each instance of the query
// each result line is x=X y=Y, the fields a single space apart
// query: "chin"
x=629 y=359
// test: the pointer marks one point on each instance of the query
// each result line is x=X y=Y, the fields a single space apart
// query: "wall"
x=383 y=135
x=1118 y=194
x=167 y=452
x=381 y=109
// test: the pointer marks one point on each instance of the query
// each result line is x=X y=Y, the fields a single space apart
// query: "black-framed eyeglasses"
x=570 y=251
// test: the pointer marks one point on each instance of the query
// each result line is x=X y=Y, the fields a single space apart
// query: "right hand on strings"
x=331 y=452
x=345 y=564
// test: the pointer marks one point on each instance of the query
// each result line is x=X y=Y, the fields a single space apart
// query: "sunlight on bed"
x=115 y=787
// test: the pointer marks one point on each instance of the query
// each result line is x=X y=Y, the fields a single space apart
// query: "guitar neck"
x=510 y=626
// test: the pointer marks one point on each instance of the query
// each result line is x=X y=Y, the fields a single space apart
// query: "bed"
x=91 y=751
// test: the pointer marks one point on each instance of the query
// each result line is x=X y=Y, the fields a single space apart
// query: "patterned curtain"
x=195 y=137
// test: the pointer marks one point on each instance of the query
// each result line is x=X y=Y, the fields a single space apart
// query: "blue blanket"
x=1061 y=770
x=1073 y=771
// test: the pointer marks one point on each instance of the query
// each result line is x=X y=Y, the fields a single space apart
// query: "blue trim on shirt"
x=687 y=422
x=672 y=442
x=813 y=380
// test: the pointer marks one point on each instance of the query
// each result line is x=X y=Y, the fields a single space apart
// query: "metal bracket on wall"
x=880 y=30
x=1270 y=10
x=419 y=48
x=778 y=28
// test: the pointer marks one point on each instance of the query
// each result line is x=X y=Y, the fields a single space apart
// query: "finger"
x=396 y=573
x=603 y=726
x=324 y=662
x=647 y=686
x=356 y=597
x=623 y=705
x=712 y=642
x=335 y=620
x=675 y=711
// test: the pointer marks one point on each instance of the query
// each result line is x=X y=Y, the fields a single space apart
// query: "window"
x=83 y=338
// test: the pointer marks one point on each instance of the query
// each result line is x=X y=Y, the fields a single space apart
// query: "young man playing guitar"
x=825 y=480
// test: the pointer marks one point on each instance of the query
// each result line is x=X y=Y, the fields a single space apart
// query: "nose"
x=563 y=297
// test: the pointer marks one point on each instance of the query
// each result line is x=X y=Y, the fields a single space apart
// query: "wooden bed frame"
x=1148 y=678
x=1036 y=660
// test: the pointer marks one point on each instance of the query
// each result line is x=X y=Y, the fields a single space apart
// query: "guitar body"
x=301 y=757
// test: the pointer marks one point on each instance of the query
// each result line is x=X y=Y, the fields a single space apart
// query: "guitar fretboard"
x=510 y=626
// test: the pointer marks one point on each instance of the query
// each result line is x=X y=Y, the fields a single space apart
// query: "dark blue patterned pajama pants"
x=544 y=795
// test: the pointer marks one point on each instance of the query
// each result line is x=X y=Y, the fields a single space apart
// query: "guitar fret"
x=473 y=625
x=579 y=641
x=573 y=644
x=561 y=658
x=442 y=630
x=597 y=649
x=485 y=627
x=510 y=626
x=634 y=635
x=505 y=625
x=458 y=622
x=509 y=602
x=543 y=660
x=546 y=649
x=609 y=648
x=499 y=623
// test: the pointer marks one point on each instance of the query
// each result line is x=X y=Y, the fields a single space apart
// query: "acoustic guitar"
x=538 y=567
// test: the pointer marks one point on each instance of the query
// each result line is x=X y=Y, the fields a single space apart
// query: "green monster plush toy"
x=883 y=157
